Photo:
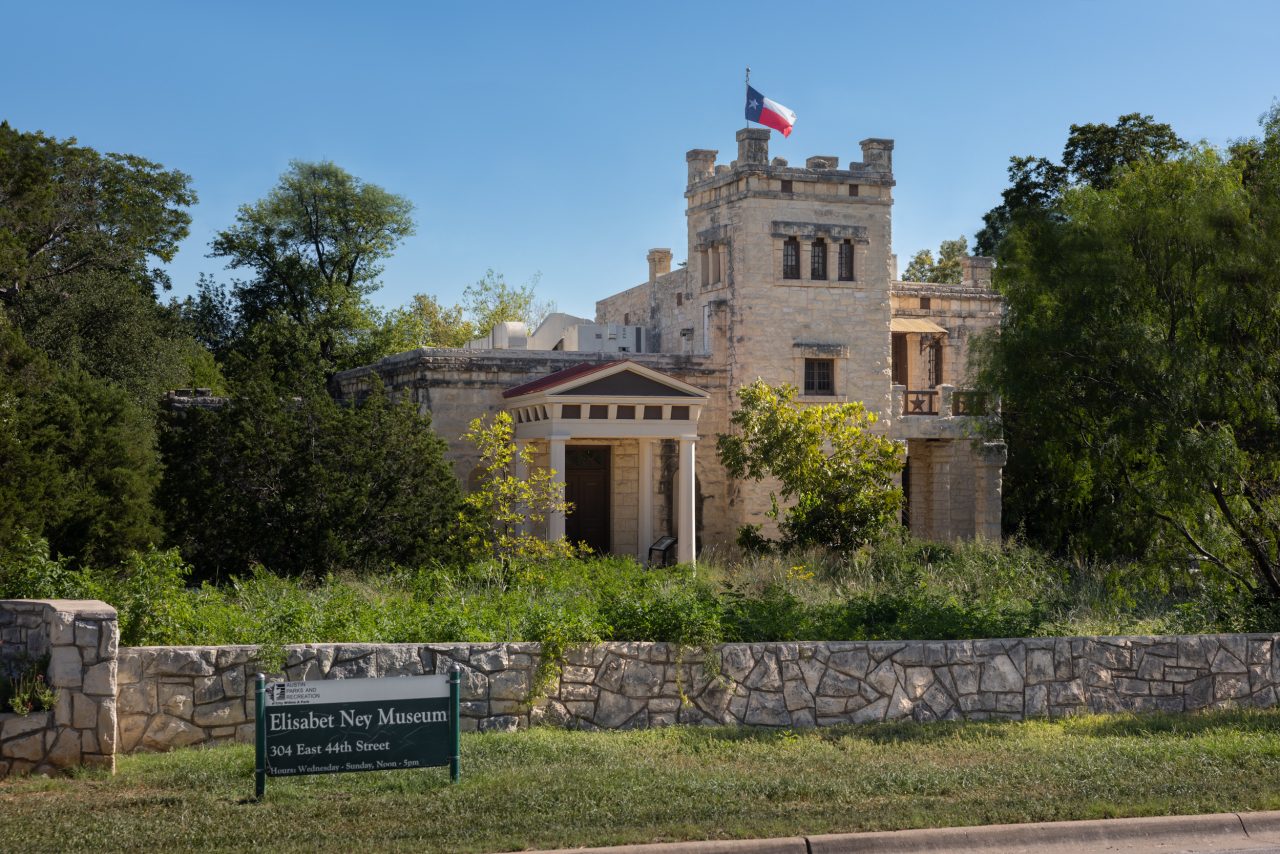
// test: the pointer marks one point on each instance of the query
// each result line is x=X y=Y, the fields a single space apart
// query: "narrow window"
x=853 y=189
x=791 y=258
x=787 y=187
x=679 y=299
x=706 y=268
x=818 y=376
x=818 y=260
x=935 y=364
x=926 y=302
x=846 y=261
x=626 y=319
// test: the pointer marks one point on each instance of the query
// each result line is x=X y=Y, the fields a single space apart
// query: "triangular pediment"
x=627 y=383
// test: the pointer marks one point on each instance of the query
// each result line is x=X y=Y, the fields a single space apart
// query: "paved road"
x=1247 y=833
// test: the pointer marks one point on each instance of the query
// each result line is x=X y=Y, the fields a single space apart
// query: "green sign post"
x=332 y=726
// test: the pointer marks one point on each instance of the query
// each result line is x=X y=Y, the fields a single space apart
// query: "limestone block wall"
x=81 y=640
x=174 y=697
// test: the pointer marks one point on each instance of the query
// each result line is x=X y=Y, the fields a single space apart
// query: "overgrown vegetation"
x=897 y=589
x=548 y=788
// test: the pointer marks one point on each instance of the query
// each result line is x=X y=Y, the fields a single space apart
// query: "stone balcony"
x=944 y=412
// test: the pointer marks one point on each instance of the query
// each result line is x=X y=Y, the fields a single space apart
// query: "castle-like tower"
x=790 y=279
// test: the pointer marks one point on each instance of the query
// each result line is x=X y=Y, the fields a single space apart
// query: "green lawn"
x=548 y=788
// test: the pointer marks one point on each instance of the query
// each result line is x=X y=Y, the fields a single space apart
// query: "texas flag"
x=763 y=111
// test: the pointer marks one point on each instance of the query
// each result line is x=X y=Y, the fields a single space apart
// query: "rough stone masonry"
x=121 y=700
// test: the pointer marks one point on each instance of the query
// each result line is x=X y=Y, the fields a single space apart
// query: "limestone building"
x=790 y=278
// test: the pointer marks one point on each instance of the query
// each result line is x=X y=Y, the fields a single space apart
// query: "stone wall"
x=169 y=697
x=81 y=641
x=172 y=697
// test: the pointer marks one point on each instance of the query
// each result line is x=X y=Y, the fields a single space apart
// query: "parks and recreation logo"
x=346 y=725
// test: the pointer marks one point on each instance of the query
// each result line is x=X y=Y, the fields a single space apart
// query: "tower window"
x=853 y=189
x=926 y=302
x=787 y=187
x=846 y=261
x=791 y=258
x=818 y=376
x=679 y=299
x=818 y=260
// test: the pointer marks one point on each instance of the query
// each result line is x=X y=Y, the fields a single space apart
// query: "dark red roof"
x=560 y=377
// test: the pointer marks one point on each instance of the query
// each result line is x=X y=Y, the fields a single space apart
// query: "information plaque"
x=341 y=725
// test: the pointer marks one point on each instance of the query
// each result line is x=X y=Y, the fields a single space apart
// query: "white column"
x=555 y=521
x=644 y=502
x=686 y=505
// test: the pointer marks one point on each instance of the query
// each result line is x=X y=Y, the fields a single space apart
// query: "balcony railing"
x=944 y=401
x=920 y=402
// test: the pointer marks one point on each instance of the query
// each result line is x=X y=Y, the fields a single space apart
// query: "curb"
x=1224 y=831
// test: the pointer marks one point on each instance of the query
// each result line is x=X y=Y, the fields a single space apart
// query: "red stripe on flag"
x=771 y=119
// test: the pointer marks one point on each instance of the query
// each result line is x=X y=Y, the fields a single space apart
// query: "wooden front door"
x=587 y=487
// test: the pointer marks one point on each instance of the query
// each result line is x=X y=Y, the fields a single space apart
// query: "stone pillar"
x=946 y=394
x=940 y=455
x=686 y=503
x=644 y=507
x=988 y=467
x=555 y=521
x=753 y=146
x=702 y=164
x=81 y=639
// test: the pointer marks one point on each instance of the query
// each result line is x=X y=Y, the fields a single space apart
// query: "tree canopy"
x=313 y=249
x=1139 y=366
x=1092 y=156
x=946 y=270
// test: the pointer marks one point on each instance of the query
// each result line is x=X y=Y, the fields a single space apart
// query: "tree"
x=77 y=461
x=503 y=508
x=65 y=210
x=427 y=323
x=834 y=474
x=1092 y=156
x=307 y=486
x=314 y=249
x=79 y=233
x=1139 y=366
x=947 y=269
x=491 y=301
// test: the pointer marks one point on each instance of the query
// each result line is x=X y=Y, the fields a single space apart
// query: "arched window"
x=791 y=258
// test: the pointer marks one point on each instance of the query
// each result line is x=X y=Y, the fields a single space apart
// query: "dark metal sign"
x=343 y=725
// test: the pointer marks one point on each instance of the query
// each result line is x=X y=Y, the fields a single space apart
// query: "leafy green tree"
x=77 y=461
x=66 y=210
x=503 y=508
x=313 y=249
x=307 y=486
x=79 y=235
x=946 y=270
x=834 y=476
x=1139 y=366
x=427 y=323
x=491 y=301
x=1092 y=156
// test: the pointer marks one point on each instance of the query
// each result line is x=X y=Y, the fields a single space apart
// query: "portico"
x=610 y=405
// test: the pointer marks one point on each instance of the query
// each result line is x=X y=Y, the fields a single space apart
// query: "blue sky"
x=550 y=137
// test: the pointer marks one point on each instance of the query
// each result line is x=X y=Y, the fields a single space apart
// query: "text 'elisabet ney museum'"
x=791 y=279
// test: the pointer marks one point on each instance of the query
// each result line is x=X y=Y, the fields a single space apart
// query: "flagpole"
x=748 y=92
